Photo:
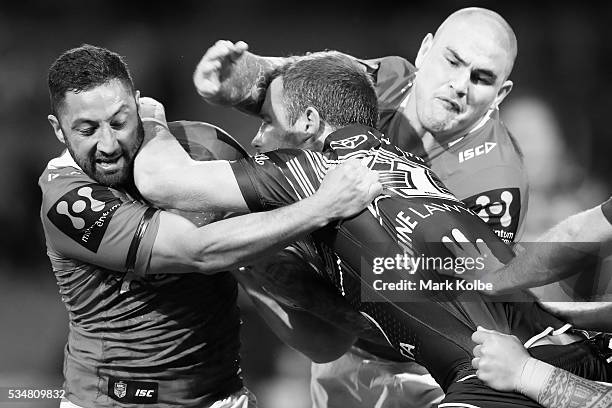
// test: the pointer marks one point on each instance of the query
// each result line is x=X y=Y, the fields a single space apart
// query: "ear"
x=312 y=122
x=137 y=97
x=503 y=92
x=425 y=47
x=57 y=129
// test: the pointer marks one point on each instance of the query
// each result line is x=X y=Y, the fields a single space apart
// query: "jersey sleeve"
x=499 y=199
x=96 y=224
x=278 y=178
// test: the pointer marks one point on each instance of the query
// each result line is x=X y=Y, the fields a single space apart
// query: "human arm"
x=559 y=253
x=504 y=364
x=166 y=175
x=229 y=75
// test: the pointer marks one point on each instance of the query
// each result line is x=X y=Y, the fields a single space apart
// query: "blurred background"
x=559 y=110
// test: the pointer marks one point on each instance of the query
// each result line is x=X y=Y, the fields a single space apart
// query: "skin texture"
x=102 y=131
x=504 y=364
x=462 y=73
x=276 y=131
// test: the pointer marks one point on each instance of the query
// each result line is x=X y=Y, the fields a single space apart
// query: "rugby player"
x=144 y=327
x=447 y=113
x=436 y=333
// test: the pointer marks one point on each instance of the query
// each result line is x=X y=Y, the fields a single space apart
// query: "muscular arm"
x=229 y=75
x=167 y=177
x=562 y=389
x=559 y=253
x=504 y=364
x=182 y=247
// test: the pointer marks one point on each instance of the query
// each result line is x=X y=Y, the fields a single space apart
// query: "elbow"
x=151 y=190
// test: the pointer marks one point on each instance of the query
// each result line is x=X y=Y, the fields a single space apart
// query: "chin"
x=114 y=179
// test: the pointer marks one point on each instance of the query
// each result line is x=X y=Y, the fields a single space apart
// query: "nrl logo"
x=120 y=389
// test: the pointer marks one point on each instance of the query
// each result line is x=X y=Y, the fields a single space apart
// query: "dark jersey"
x=483 y=168
x=134 y=338
x=411 y=216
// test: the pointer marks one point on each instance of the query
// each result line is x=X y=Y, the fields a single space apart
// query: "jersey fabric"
x=411 y=216
x=134 y=338
x=484 y=168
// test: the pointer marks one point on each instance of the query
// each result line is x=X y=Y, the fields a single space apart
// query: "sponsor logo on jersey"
x=476 y=151
x=349 y=143
x=132 y=392
x=84 y=214
x=500 y=209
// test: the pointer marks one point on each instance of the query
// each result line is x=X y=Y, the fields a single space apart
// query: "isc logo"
x=144 y=393
x=476 y=151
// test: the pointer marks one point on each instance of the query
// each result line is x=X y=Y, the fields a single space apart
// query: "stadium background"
x=559 y=110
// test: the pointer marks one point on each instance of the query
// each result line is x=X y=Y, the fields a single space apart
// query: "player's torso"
x=484 y=167
x=168 y=340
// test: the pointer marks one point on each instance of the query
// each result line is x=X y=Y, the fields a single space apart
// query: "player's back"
x=411 y=216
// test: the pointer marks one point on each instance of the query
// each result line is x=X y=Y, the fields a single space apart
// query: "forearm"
x=245 y=85
x=584 y=315
x=159 y=153
x=555 y=388
x=241 y=240
x=560 y=252
x=167 y=177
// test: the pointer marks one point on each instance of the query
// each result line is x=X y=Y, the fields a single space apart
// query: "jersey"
x=134 y=338
x=411 y=216
x=484 y=167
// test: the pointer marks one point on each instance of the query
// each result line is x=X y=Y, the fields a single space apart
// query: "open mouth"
x=450 y=104
x=109 y=165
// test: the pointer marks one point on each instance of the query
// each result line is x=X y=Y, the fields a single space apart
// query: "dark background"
x=559 y=110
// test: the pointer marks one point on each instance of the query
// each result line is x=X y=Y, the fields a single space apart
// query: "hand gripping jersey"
x=135 y=338
x=483 y=168
x=415 y=211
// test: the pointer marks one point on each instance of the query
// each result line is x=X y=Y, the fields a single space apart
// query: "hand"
x=215 y=65
x=499 y=359
x=150 y=108
x=485 y=262
x=347 y=189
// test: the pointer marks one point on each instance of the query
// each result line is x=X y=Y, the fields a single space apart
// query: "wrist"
x=317 y=212
x=533 y=377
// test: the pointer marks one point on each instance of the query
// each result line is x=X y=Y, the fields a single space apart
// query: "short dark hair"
x=334 y=84
x=83 y=68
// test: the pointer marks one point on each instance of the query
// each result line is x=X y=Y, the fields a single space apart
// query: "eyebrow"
x=481 y=71
x=80 y=121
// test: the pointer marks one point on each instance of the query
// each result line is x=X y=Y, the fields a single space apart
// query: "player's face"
x=102 y=131
x=275 y=131
x=461 y=76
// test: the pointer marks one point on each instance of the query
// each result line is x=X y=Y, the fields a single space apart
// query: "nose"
x=459 y=82
x=257 y=140
x=107 y=142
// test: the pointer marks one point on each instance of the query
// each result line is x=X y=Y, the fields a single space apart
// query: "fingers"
x=225 y=49
x=482 y=334
x=476 y=362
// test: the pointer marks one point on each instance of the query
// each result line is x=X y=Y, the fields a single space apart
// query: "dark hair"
x=334 y=84
x=84 y=68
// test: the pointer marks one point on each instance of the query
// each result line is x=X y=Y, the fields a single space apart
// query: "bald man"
x=445 y=110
